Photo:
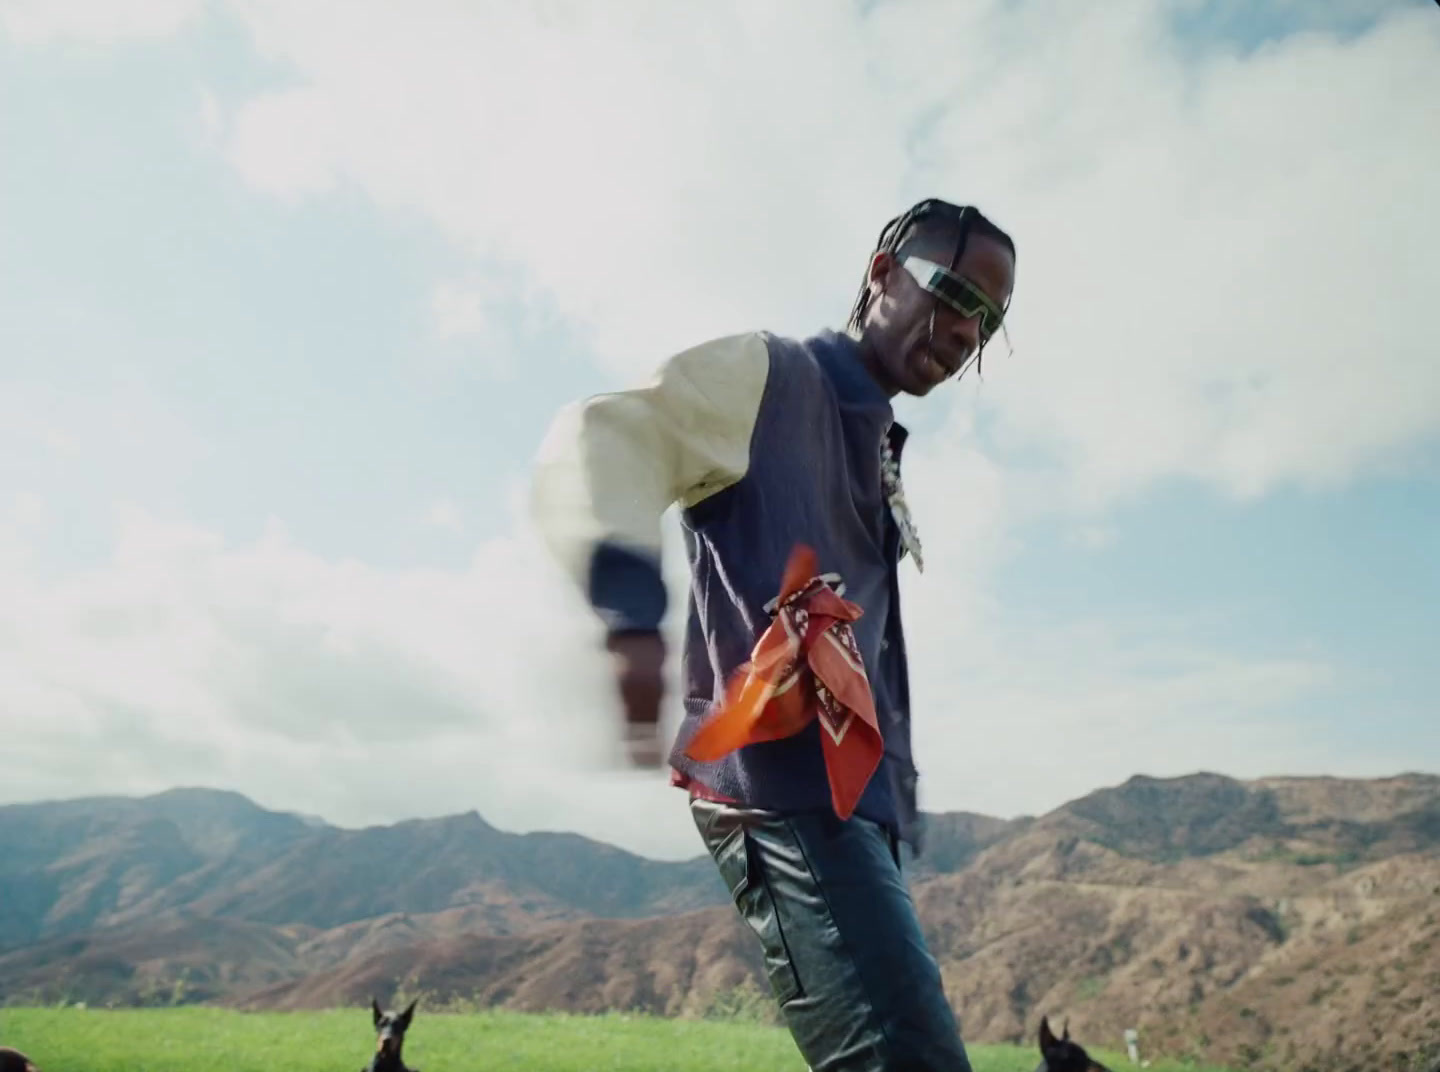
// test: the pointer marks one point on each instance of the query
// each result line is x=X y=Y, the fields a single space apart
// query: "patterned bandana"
x=806 y=665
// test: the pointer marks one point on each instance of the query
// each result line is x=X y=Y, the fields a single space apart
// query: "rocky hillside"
x=106 y=862
x=1276 y=924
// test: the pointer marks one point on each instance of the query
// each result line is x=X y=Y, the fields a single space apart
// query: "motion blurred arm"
x=611 y=465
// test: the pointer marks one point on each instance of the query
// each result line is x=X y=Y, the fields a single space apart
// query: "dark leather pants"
x=843 y=948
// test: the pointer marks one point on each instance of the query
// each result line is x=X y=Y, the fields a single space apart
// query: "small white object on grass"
x=1132 y=1045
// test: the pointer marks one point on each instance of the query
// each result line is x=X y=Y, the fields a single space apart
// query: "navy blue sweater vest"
x=814 y=478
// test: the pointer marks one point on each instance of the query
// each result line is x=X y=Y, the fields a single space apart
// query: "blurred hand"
x=639 y=674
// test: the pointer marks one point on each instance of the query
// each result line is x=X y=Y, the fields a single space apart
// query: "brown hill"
x=1259 y=965
x=1165 y=820
x=104 y=862
x=497 y=913
x=671 y=967
x=74 y=865
x=432 y=865
x=954 y=839
x=174 y=960
x=1283 y=923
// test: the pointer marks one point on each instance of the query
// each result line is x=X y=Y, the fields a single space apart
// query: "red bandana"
x=806 y=664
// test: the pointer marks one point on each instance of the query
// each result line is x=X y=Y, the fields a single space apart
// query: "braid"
x=917 y=219
x=886 y=243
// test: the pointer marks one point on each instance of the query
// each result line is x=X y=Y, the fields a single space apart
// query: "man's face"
x=898 y=321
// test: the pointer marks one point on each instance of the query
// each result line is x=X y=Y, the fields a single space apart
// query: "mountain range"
x=1279 y=923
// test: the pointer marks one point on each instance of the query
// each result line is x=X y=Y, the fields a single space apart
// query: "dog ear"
x=409 y=1012
x=1065 y=1031
x=375 y=1013
x=1048 y=1040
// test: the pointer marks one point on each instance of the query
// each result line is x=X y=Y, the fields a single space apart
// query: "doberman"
x=1062 y=1055
x=390 y=1028
x=15 y=1061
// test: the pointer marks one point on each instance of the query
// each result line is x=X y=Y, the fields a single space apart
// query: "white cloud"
x=212 y=117
x=284 y=143
x=324 y=686
x=651 y=183
x=1213 y=277
x=466 y=310
x=46 y=21
x=1093 y=537
x=120 y=434
x=489 y=322
x=444 y=514
x=1233 y=290
x=365 y=695
x=1012 y=720
x=27 y=423
x=1224 y=260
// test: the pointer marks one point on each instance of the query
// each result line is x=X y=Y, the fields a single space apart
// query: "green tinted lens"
x=962 y=296
x=957 y=292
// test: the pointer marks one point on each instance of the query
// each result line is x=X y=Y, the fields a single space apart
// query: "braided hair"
x=927 y=221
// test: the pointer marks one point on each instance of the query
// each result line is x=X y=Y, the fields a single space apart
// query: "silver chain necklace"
x=899 y=508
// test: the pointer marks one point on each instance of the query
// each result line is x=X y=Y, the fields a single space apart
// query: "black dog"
x=15 y=1061
x=390 y=1028
x=1062 y=1055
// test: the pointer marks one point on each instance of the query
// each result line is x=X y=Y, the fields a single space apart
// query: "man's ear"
x=878 y=275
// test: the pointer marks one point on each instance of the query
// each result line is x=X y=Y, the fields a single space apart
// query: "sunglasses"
x=957 y=292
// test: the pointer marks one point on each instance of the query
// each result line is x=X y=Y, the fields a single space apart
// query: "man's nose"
x=965 y=331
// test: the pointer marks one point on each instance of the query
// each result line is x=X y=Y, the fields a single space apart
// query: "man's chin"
x=919 y=382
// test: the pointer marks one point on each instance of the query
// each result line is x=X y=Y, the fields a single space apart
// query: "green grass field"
x=215 y=1040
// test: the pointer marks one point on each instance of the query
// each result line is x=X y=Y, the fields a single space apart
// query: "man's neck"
x=870 y=360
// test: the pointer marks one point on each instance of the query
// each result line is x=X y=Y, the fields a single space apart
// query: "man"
x=770 y=445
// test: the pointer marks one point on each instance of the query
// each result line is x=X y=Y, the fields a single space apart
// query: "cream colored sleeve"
x=611 y=465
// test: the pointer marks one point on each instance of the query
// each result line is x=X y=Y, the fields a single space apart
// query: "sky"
x=289 y=292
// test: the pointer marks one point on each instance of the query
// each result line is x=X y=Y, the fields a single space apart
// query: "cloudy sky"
x=288 y=292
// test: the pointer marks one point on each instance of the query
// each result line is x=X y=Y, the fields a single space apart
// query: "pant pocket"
x=741 y=869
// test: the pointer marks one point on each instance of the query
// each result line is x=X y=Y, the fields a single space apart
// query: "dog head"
x=15 y=1061
x=390 y=1027
x=1062 y=1055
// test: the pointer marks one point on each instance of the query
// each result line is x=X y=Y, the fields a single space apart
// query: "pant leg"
x=843 y=948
